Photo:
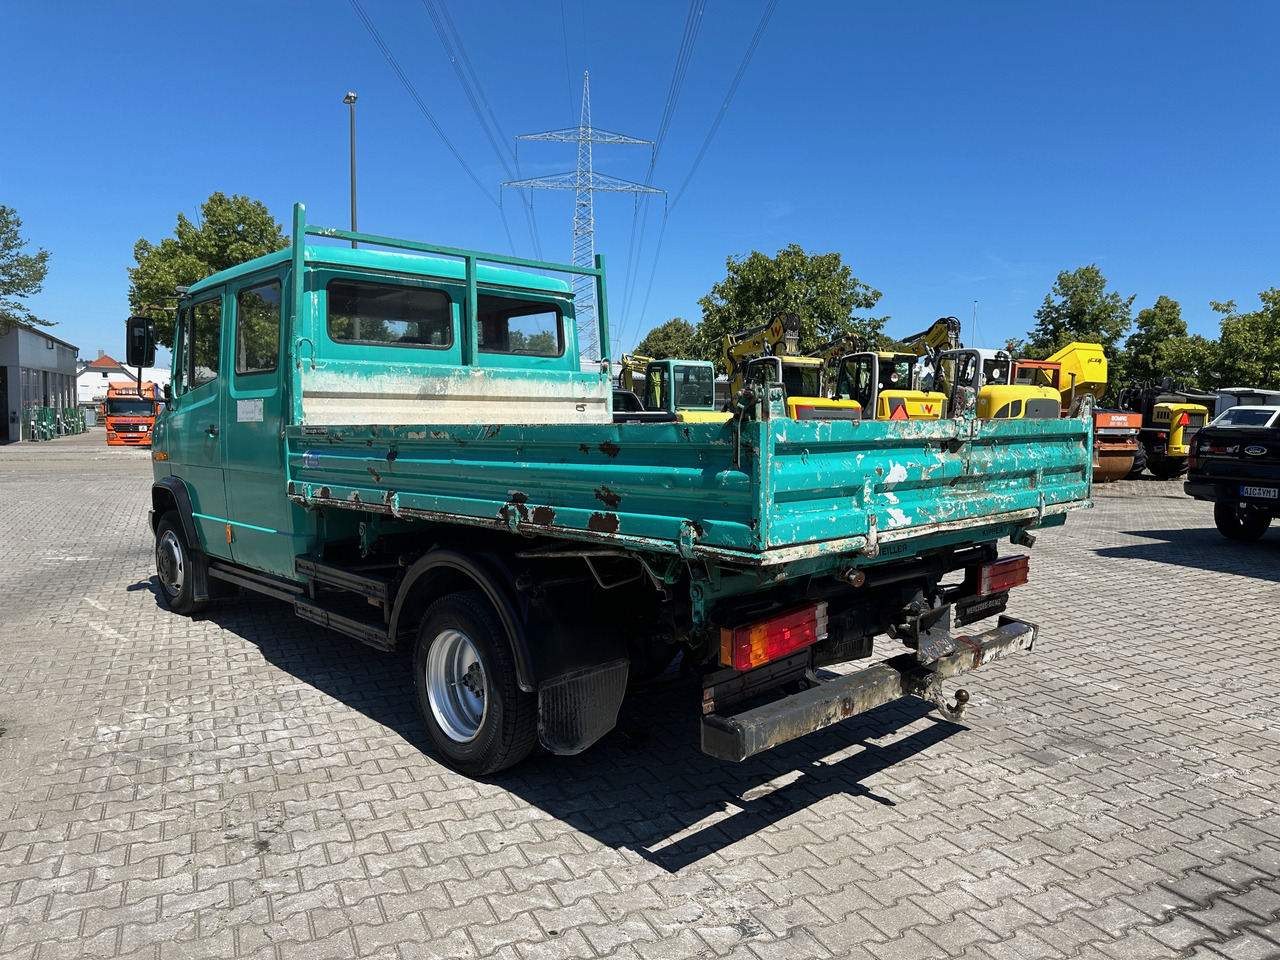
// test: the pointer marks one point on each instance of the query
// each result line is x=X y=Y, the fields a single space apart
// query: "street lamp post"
x=350 y=99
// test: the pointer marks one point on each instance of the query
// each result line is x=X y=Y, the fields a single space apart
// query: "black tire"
x=462 y=646
x=1239 y=521
x=177 y=567
x=1167 y=469
x=1139 y=462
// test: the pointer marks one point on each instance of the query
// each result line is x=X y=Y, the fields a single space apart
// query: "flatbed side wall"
x=635 y=482
x=796 y=488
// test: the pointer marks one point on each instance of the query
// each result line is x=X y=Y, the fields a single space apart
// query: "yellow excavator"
x=770 y=353
x=686 y=388
x=895 y=384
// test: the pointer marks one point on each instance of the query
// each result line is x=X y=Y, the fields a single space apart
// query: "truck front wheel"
x=176 y=566
x=1239 y=521
x=476 y=715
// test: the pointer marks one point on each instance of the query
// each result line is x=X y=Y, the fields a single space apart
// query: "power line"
x=728 y=99
x=470 y=83
x=413 y=94
x=693 y=20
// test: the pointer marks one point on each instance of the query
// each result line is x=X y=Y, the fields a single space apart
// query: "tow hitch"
x=753 y=731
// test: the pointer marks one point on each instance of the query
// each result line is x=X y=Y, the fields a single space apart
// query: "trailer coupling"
x=762 y=728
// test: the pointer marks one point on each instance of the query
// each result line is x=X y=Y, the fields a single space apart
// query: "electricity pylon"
x=584 y=182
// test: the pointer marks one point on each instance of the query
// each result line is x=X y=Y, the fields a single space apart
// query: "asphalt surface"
x=243 y=784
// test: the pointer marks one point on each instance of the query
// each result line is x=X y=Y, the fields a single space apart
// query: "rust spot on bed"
x=610 y=449
x=608 y=497
x=603 y=522
x=544 y=516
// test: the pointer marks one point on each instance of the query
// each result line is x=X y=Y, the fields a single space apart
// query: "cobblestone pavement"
x=243 y=784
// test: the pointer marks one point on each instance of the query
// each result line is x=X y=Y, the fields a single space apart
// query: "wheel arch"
x=440 y=572
x=172 y=494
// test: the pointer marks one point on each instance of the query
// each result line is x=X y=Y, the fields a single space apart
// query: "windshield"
x=1247 y=417
x=695 y=385
x=802 y=381
x=130 y=407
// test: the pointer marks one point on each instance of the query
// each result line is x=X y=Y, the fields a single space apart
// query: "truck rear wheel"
x=464 y=674
x=176 y=566
x=1239 y=521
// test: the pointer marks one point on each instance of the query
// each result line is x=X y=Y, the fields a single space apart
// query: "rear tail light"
x=1002 y=575
x=749 y=646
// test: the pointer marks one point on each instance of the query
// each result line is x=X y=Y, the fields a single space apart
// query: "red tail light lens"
x=1002 y=575
x=749 y=646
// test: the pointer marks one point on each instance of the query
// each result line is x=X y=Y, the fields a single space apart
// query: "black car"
x=1235 y=463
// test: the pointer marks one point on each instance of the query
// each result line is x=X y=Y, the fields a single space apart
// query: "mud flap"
x=577 y=709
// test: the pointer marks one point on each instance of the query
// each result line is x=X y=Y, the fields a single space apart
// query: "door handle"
x=211 y=430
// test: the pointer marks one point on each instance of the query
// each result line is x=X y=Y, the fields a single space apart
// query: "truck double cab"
x=1235 y=464
x=401 y=442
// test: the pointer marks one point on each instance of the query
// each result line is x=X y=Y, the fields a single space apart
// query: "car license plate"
x=1260 y=493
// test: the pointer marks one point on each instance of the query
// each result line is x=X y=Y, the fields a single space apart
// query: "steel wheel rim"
x=456 y=685
x=169 y=563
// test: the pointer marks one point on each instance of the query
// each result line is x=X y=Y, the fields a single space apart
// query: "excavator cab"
x=990 y=375
x=888 y=384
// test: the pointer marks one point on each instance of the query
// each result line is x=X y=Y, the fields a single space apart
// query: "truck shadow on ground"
x=646 y=786
x=1203 y=548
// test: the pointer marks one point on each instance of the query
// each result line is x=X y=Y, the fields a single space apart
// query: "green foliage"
x=1190 y=361
x=1157 y=326
x=229 y=231
x=675 y=338
x=21 y=274
x=1083 y=310
x=1249 y=344
x=818 y=288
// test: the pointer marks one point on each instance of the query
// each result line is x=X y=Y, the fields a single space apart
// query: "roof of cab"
x=386 y=261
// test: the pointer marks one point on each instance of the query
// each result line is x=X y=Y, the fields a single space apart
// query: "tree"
x=228 y=231
x=1145 y=348
x=1191 y=361
x=818 y=288
x=1084 y=310
x=21 y=274
x=1249 y=344
x=675 y=338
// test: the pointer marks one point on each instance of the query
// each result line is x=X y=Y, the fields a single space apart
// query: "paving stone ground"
x=245 y=785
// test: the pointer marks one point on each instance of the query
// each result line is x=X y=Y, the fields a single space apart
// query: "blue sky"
x=951 y=152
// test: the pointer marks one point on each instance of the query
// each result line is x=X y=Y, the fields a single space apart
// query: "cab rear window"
x=359 y=311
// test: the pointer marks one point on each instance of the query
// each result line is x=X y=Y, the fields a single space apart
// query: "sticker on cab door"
x=249 y=411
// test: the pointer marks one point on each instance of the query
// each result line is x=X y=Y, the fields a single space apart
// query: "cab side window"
x=258 y=328
x=510 y=325
x=204 y=342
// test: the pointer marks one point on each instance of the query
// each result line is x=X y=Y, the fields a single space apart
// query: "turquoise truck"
x=400 y=441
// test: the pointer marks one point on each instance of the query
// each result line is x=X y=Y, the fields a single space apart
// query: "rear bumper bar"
x=754 y=731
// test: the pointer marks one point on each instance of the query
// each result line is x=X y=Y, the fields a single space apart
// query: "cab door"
x=267 y=531
x=194 y=425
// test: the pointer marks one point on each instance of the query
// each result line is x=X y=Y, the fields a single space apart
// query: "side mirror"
x=140 y=342
x=168 y=394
